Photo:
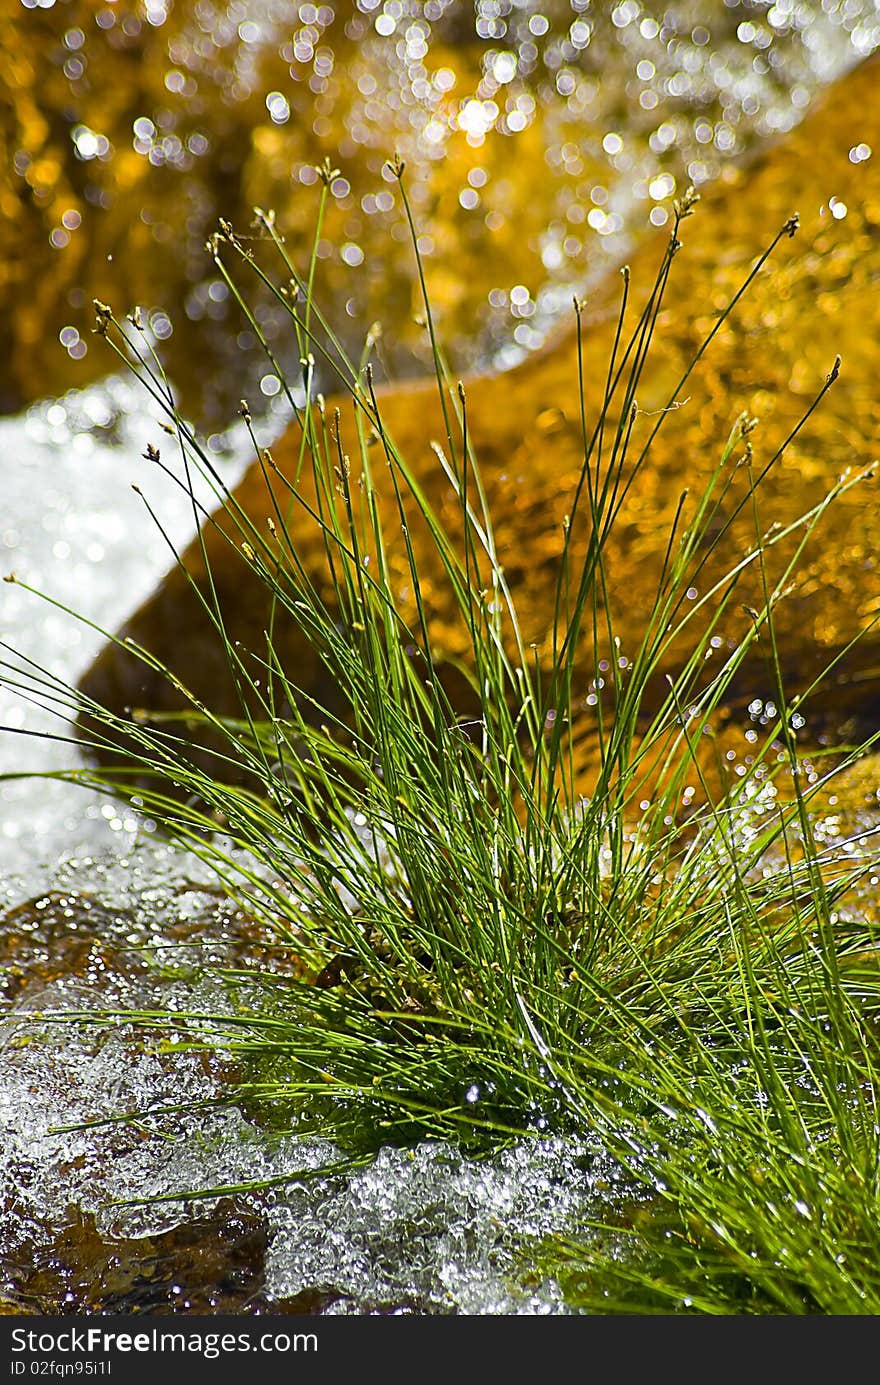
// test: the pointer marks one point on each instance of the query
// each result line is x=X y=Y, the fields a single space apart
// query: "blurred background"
x=541 y=137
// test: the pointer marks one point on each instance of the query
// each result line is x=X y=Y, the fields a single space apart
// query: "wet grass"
x=488 y=943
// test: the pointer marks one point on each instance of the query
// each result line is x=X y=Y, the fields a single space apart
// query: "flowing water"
x=93 y=902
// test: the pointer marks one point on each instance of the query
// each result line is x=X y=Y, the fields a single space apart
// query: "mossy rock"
x=816 y=298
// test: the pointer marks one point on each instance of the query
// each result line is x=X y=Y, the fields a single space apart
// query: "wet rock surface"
x=212 y=1264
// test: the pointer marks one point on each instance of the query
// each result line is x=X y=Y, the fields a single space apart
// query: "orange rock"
x=816 y=298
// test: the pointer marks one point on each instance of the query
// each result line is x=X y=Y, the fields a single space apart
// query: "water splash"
x=423 y=1229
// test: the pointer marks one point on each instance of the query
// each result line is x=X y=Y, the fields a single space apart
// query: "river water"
x=92 y=901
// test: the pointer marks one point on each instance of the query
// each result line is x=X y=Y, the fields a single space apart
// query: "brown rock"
x=817 y=297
